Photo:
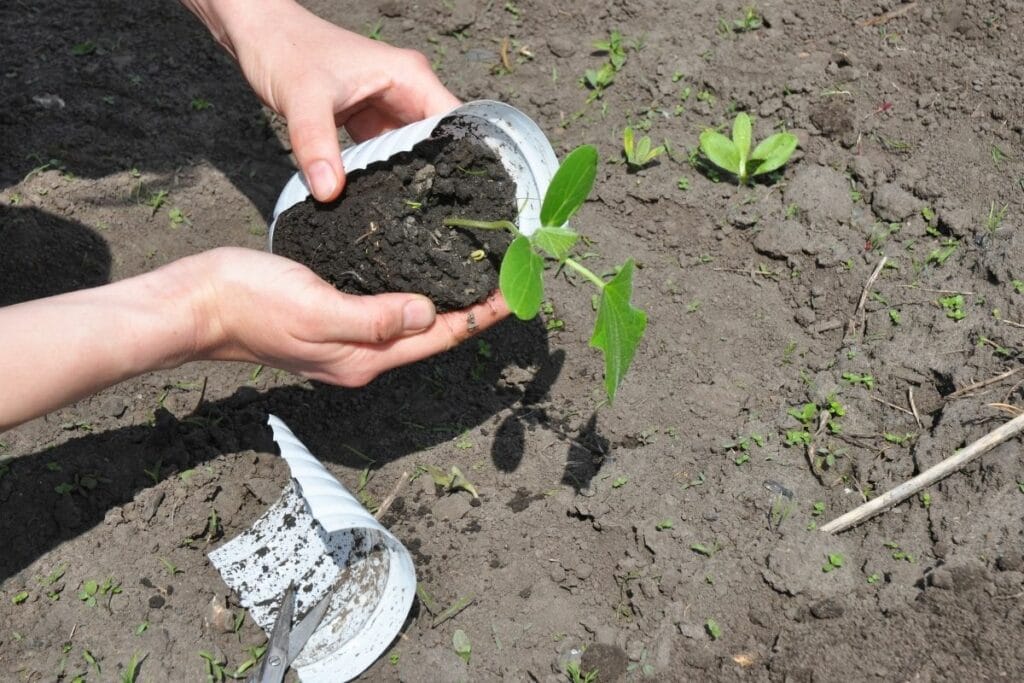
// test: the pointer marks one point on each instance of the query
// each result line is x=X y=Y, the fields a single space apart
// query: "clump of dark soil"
x=386 y=233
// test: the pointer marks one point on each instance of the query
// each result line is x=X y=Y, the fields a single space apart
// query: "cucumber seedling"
x=639 y=151
x=735 y=156
x=619 y=325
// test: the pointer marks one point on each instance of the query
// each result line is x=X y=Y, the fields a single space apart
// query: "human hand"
x=320 y=77
x=263 y=308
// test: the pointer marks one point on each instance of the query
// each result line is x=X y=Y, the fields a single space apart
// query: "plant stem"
x=481 y=225
x=585 y=272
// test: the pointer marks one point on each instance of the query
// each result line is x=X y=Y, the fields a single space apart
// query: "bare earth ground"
x=909 y=115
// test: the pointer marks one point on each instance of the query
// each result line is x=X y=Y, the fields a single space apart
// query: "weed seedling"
x=953 y=306
x=735 y=156
x=995 y=217
x=451 y=481
x=858 y=379
x=835 y=561
x=638 y=151
x=619 y=325
x=713 y=629
x=131 y=670
x=577 y=675
x=751 y=21
x=664 y=525
x=460 y=643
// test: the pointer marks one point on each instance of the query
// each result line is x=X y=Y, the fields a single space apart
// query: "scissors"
x=286 y=641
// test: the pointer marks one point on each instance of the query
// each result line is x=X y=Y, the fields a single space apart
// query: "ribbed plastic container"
x=523 y=148
x=319 y=537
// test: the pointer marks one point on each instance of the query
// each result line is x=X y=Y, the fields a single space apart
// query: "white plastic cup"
x=319 y=537
x=522 y=147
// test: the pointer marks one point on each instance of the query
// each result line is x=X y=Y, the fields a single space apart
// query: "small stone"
x=218 y=617
x=892 y=203
x=557 y=573
x=156 y=601
x=829 y=608
x=113 y=406
x=941 y=578
x=561 y=46
x=423 y=180
x=1010 y=563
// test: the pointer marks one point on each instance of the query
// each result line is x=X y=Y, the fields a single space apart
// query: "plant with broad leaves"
x=639 y=150
x=619 y=325
x=735 y=156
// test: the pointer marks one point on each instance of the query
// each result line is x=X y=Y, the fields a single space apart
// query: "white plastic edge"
x=319 y=537
x=524 y=150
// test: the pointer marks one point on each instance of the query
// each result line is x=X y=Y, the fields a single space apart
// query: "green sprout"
x=856 y=378
x=735 y=156
x=639 y=152
x=751 y=21
x=953 y=306
x=835 y=561
x=619 y=325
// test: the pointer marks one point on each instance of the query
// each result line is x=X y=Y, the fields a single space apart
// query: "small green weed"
x=859 y=379
x=995 y=217
x=834 y=561
x=713 y=629
x=953 y=306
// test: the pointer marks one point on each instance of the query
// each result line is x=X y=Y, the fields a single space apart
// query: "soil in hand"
x=385 y=232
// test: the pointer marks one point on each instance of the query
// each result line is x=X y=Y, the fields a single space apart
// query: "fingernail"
x=418 y=314
x=321 y=179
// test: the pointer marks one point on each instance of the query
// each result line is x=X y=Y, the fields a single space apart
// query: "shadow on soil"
x=402 y=413
x=44 y=255
x=120 y=103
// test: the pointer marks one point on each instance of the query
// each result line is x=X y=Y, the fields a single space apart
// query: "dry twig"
x=982 y=384
x=889 y=16
x=933 y=474
x=386 y=505
x=856 y=321
x=913 y=407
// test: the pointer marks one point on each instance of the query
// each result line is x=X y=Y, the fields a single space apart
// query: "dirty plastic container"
x=523 y=148
x=319 y=537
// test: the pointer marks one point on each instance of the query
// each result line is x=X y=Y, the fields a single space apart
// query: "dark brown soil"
x=386 y=233
x=899 y=107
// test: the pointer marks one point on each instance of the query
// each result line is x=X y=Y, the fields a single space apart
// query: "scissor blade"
x=275 y=659
x=306 y=626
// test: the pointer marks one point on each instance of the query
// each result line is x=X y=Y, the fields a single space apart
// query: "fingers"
x=448 y=330
x=372 y=320
x=314 y=139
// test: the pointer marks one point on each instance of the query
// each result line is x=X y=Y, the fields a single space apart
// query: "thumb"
x=314 y=139
x=375 y=319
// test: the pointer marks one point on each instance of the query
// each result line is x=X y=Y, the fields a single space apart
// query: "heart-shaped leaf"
x=520 y=278
x=618 y=328
x=570 y=186
x=720 y=150
x=556 y=241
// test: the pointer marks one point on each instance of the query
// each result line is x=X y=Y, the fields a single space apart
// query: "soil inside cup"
x=386 y=234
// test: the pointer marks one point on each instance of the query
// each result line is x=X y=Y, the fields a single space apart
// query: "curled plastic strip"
x=319 y=537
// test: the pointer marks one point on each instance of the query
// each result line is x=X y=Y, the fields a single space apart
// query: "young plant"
x=735 y=156
x=639 y=152
x=619 y=325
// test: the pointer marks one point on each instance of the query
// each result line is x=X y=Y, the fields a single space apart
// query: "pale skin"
x=238 y=304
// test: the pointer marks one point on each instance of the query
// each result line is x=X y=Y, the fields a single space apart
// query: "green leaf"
x=521 y=280
x=556 y=241
x=773 y=152
x=19 y=598
x=742 y=134
x=720 y=150
x=618 y=329
x=463 y=648
x=570 y=186
x=628 y=142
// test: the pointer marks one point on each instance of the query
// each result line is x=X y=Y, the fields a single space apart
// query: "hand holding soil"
x=224 y=304
x=320 y=76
